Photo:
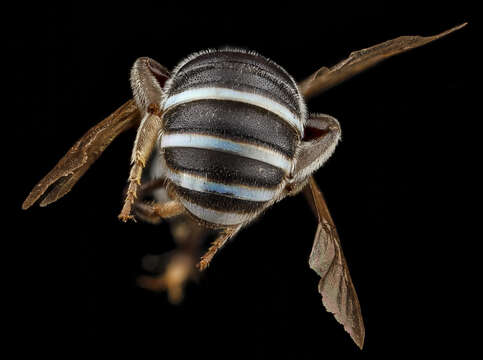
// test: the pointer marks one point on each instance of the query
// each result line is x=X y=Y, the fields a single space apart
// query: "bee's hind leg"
x=147 y=79
x=171 y=271
x=216 y=245
x=154 y=212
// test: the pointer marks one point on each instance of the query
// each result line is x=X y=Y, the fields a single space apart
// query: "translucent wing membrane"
x=327 y=260
x=358 y=61
x=60 y=180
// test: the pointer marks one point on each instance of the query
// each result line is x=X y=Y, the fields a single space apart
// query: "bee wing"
x=60 y=180
x=358 y=61
x=327 y=260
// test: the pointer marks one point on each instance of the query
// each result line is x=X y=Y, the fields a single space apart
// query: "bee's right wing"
x=60 y=180
x=327 y=260
x=358 y=61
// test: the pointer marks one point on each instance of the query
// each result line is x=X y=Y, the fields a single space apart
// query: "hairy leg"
x=144 y=145
x=160 y=210
x=221 y=240
x=147 y=80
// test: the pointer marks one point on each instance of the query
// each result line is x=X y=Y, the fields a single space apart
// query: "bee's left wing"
x=327 y=260
x=60 y=180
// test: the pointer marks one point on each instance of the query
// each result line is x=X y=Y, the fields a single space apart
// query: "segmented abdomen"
x=231 y=124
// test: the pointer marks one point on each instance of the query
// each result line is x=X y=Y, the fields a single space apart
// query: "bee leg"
x=152 y=185
x=147 y=80
x=222 y=238
x=144 y=145
x=157 y=211
x=172 y=271
x=145 y=216
x=179 y=267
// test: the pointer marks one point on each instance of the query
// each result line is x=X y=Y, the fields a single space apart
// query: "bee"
x=227 y=134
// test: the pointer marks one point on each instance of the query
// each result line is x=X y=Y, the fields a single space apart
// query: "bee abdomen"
x=232 y=121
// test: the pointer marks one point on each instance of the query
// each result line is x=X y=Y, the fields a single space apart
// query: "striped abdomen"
x=232 y=121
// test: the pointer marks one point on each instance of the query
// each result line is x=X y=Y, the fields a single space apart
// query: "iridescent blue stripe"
x=250 y=151
x=196 y=183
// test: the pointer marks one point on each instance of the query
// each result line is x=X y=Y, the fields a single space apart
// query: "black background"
x=388 y=185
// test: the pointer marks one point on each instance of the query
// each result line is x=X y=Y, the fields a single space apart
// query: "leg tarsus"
x=215 y=246
x=132 y=191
